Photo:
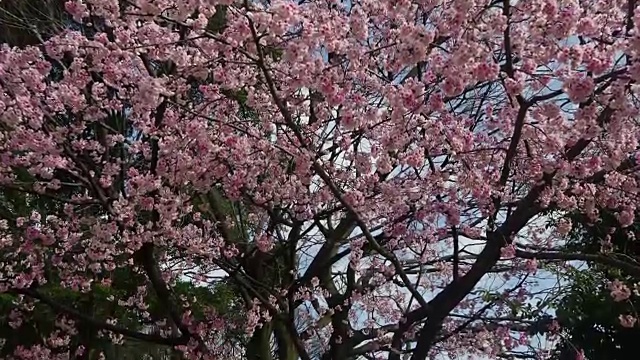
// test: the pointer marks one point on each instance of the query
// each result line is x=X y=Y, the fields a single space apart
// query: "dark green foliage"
x=587 y=312
x=100 y=303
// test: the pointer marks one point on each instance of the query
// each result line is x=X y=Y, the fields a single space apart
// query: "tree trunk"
x=286 y=346
x=259 y=347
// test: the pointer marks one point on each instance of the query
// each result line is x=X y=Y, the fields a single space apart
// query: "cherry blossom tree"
x=373 y=179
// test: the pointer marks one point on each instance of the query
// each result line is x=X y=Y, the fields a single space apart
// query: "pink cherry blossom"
x=619 y=291
x=628 y=321
x=579 y=88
